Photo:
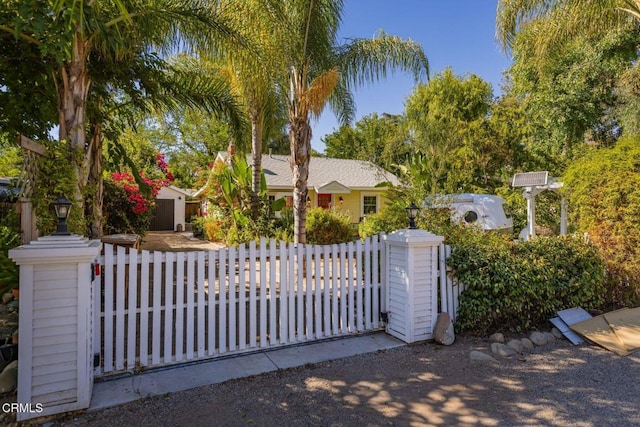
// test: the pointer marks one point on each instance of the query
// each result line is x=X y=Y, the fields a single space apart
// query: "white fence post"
x=55 y=369
x=412 y=284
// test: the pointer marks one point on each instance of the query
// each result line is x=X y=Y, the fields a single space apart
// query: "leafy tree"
x=562 y=20
x=447 y=119
x=572 y=94
x=381 y=140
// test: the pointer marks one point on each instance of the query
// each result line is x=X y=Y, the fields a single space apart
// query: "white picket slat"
x=180 y=291
x=272 y=295
x=211 y=287
x=292 y=293
x=242 y=297
x=375 y=281
x=120 y=300
x=283 y=324
x=201 y=343
x=367 y=283
x=190 y=339
x=132 y=309
x=157 y=307
x=326 y=304
x=334 y=285
x=253 y=315
x=222 y=302
x=300 y=326
x=108 y=308
x=144 y=309
x=343 y=288
x=168 y=312
x=232 y=298
x=263 y=293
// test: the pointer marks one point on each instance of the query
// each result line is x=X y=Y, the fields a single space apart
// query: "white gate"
x=162 y=308
x=450 y=288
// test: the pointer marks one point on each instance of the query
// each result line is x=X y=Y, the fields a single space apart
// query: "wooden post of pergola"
x=32 y=150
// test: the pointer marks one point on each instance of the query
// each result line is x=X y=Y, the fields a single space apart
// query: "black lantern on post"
x=62 y=205
x=412 y=213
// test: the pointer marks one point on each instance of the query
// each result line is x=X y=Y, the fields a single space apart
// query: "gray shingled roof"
x=355 y=174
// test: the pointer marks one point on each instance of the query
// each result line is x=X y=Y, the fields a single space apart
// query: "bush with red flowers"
x=128 y=208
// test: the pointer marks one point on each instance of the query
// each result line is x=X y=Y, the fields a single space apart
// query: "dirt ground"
x=169 y=241
x=425 y=384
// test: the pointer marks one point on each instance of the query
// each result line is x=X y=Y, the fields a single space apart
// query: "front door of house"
x=324 y=201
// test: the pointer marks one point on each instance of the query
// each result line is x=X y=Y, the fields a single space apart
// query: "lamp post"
x=62 y=206
x=412 y=213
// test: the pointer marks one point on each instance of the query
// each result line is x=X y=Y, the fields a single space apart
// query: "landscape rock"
x=550 y=337
x=497 y=337
x=526 y=344
x=516 y=345
x=478 y=355
x=9 y=377
x=499 y=349
x=556 y=333
x=7 y=297
x=443 y=332
x=538 y=338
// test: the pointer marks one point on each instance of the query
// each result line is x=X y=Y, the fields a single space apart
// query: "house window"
x=369 y=205
x=324 y=201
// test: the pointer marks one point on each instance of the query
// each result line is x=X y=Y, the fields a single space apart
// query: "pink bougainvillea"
x=140 y=203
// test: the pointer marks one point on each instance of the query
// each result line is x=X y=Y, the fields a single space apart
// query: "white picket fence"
x=162 y=308
x=450 y=288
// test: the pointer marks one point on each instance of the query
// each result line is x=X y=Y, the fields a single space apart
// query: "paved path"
x=169 y=241
x=419 y=385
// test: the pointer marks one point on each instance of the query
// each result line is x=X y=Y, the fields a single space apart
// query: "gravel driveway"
x=425 y=384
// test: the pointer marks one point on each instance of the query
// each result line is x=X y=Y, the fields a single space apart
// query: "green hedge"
x=519 y=286
x=603 y=189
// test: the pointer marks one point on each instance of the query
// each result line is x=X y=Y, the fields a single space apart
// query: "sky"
x=457 y=34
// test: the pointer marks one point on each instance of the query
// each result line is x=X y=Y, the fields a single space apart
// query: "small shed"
x=169 y=214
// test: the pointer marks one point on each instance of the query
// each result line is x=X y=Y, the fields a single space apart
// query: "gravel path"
x=426 y=384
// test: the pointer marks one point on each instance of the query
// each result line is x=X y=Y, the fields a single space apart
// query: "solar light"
x=62 y=206
x=412 y=213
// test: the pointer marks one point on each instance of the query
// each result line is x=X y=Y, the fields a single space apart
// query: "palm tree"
x=71 y=34
x=321 y=71
x=565 y=19
x=251 y=72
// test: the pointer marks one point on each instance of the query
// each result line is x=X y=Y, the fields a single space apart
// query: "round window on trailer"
x=470 y=216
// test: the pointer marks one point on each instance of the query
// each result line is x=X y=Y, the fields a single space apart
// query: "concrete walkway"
x=162 y=381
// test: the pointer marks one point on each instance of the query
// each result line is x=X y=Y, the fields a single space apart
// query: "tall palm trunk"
x=256 y=161
x=73 y=89
x=300 y=144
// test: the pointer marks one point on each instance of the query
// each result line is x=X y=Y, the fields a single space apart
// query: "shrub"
x=517 y=286
x=9 y=272
x=393 y=217
x=126 y=208
x=603 y=189
x=326 y=227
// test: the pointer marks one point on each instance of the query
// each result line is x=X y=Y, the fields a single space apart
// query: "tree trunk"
x=73 y=91
x=256 y=162
x=300 y=142
x=93 y=205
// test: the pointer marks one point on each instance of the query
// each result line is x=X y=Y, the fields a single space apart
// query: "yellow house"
x=344 y=184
